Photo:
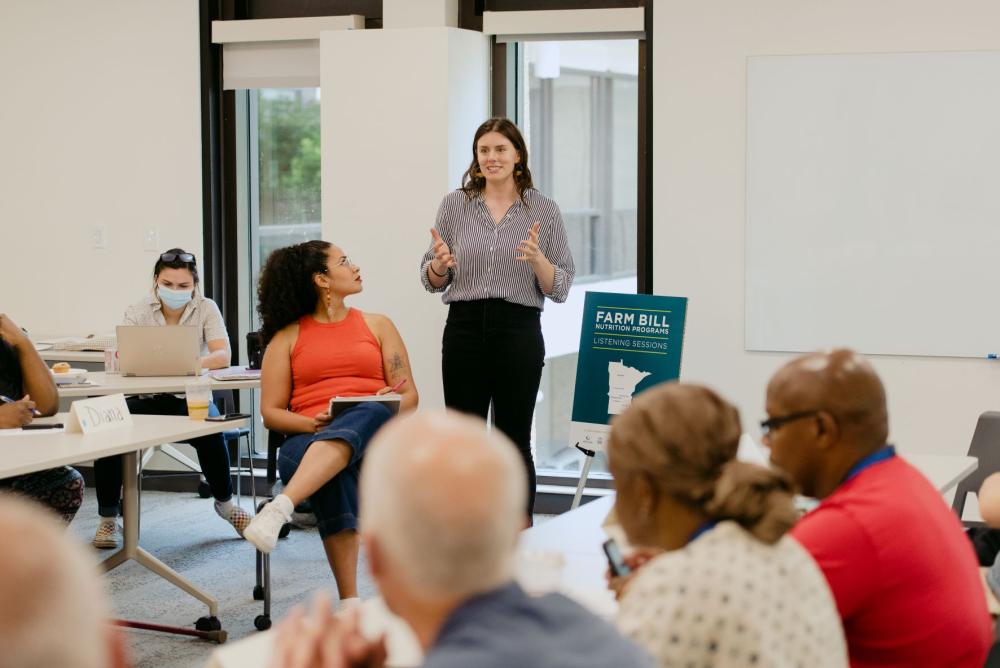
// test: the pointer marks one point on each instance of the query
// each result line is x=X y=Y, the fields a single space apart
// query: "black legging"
x=212 y=455
x=494 y=350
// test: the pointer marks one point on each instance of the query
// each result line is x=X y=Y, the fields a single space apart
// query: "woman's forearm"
x=435 y=280
x=545 y=272
x=286 y=422
x=216 y=360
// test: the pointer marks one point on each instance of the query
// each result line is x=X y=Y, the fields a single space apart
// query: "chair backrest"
x=985 y=446
x=255 y=350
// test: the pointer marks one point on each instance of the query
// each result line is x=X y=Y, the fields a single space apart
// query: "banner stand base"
x=583 y=475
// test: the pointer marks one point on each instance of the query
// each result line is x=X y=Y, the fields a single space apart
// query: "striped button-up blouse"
x=486 y=253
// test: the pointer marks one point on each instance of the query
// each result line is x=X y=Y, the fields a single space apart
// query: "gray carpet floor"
x=184 y=532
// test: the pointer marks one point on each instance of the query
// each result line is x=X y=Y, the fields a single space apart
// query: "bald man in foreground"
x=442 y=503
x=904 y=576
x=52 y=606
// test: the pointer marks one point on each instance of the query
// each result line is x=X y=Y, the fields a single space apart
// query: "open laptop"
x=158 y=351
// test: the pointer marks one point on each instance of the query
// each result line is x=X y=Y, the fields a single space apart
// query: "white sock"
x=350 y=603
x=224 y=506
x=285 y=505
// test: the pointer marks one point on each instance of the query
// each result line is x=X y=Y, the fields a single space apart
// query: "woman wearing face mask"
x=174 y=300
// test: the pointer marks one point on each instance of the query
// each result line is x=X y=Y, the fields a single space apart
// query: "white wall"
x=400 y=108
x=699 y=185
x=100 y=125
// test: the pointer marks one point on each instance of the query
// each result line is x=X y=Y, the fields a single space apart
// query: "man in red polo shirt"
x=904 y=576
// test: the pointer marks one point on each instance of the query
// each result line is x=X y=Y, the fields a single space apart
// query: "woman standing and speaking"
x=498 y=250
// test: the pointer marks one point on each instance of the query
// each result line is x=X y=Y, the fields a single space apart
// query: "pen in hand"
x=7 y=400
x=397 y=385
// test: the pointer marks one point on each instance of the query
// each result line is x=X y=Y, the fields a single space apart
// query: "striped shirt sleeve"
x=556 y=250
x=440 y=224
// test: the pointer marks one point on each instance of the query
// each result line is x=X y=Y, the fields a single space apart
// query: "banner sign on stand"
x=628 y=343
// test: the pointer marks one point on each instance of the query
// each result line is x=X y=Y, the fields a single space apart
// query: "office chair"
x=985 y=446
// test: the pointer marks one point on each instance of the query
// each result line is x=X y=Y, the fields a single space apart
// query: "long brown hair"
x=684 y=439
x=473 y=180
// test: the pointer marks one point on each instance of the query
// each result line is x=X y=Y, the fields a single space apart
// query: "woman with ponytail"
x=721 y=584
x=316 y=348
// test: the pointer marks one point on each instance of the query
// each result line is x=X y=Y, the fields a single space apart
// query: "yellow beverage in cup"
x=198 y=395
x=197 y=410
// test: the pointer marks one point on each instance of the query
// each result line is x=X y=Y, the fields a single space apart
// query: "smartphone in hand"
x=227 y=417
x=616 y=561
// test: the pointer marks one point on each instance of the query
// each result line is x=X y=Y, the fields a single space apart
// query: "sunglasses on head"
x=183 y=257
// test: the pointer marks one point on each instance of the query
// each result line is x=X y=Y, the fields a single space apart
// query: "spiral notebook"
x=390 y=400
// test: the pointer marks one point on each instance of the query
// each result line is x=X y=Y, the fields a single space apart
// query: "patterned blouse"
x=727 y=600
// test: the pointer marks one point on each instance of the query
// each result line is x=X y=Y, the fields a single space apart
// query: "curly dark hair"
x=285 y=291
x=473 y=180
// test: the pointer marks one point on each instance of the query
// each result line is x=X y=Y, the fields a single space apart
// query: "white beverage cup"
x=199 y=396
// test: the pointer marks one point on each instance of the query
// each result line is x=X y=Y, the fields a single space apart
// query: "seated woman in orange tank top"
x=317 y=348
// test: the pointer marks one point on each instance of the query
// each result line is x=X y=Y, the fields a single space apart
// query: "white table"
x=113 y=383
x=87 y=356
x=578 y=535
x=28 y=452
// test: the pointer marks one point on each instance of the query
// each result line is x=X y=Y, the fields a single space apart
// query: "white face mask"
x=174 y=299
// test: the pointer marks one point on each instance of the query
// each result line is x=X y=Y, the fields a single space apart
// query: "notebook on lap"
x=159 y=351
x=390 y=400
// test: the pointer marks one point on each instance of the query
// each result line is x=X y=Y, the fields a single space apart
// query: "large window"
x=577 y=103
x=278 y=183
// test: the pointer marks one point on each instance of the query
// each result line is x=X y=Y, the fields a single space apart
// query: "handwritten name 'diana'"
x=104 y=415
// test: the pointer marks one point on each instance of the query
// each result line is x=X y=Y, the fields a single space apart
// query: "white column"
x=400 y=108
x=419 y=13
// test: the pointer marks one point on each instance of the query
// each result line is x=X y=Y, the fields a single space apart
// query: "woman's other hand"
x=17 y=414
x=443 y=259
x=635 y=560
x=528 y=249
x=320 y=420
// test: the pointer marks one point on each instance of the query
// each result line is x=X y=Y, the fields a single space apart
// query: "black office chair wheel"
x=258 y=593
x=204 y=490
x=262 y=622
x=208 y=624
x=286 y=529
x=262 y=504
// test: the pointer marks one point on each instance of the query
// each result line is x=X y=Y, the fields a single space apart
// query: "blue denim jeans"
x=336 y=502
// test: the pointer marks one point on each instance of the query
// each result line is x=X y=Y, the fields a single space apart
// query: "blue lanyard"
x=707 y=526
x=888 y=452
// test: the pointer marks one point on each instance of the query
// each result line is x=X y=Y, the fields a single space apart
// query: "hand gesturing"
x=443 y=259
x=528 y=249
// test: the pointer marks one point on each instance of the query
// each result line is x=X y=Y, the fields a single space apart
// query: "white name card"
x=99 y=414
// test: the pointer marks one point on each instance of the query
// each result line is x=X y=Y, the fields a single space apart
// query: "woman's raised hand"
x=443 y=259
x=528 y=249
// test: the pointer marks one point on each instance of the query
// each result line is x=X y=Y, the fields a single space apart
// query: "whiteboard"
x=873 y=203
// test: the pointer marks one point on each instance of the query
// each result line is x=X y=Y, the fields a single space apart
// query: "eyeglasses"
x=344 y=262
x=183 y=257
x=775 y=423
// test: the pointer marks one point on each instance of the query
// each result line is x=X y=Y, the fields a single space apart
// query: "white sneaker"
x=108 y=535
x=264 y=528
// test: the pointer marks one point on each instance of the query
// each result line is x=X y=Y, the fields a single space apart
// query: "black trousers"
x=493 y=351
x=212 y=455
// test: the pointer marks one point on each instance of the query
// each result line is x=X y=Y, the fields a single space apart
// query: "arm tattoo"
x=396 y=365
